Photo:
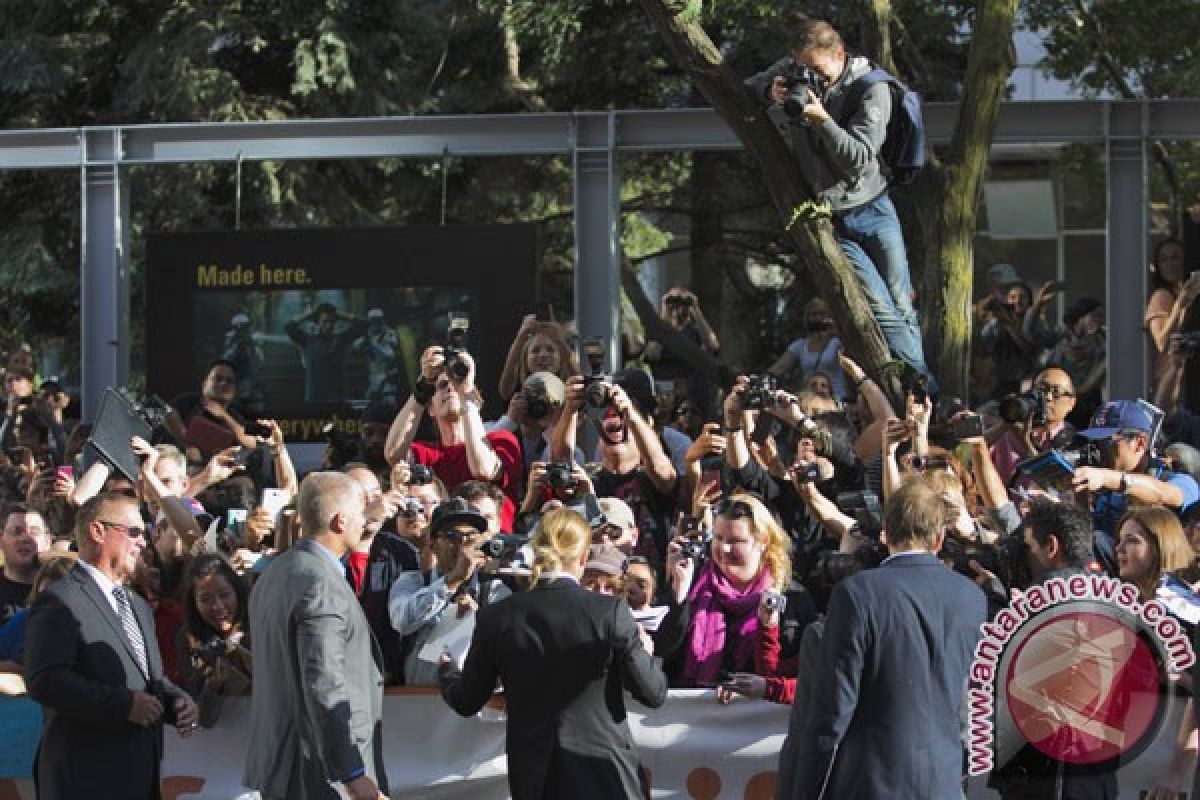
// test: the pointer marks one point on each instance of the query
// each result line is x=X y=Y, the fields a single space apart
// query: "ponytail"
x=562 y=537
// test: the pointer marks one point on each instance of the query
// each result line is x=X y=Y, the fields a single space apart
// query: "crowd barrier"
x=693 y=748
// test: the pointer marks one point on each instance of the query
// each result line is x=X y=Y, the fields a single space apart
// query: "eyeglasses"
x=926 y=463
x=609 y=530
x=131 y=531
x=1054 y=392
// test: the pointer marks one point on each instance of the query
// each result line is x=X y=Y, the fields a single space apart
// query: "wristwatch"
x=1124 y=486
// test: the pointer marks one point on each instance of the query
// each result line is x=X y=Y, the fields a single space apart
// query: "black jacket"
x=565 y=656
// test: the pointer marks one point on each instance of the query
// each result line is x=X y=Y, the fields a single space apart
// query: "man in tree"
x=837 y=139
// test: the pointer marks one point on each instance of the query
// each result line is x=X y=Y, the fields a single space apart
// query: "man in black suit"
x=92 y=661
x=565 y=657
x=884 y=709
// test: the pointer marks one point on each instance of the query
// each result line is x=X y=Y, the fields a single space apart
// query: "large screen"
x=319 y=323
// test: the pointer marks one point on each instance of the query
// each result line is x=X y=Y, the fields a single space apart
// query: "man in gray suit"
x=92 y=661
x=317 y=709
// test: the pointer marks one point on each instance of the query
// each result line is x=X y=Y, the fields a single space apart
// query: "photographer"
x=214 y=644
x=837 y=148
x=1035 y=420
x=1012 y=344
x=680 y=309
x=711 y=628
x=465 y=450
x=553 y=485
x=532 y=414
x=1122 y=431
x=425 y=605
x=635 y=468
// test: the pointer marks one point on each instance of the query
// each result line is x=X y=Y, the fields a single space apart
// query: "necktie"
x=132 y=631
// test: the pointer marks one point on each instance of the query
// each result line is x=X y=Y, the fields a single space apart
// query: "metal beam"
x=598 y=239
x=546 y=134
x=1128 y=237
x=103 y=272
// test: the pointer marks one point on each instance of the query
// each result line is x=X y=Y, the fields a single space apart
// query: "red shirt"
x=449 y=463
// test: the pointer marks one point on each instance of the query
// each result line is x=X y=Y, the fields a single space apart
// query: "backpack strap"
x=857 y=90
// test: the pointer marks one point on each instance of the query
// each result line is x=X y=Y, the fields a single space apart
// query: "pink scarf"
x=716 y=609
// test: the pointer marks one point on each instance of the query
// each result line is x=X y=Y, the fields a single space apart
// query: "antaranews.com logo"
x=1078 y=668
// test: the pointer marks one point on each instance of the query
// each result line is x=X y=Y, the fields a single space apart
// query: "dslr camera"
x=1188 y=343
x=455 y=346
x=866 y=509
x=1016 y=408
x=597 y=390
x=759 y=392
x=561 y=475
x=537 y=403
x=801 y=79
x=808 y=473
x=419 y=475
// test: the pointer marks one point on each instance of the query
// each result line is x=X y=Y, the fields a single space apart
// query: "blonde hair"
x=567 y=365
x=562 y=537
x=768 y=532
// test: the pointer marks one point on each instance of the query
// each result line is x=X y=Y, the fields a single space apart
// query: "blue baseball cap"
x=1117 y=416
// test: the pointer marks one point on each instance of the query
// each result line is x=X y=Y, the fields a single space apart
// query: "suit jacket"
x=81 y=667
x=565 y=657
x=317 y=705
x=885 y=698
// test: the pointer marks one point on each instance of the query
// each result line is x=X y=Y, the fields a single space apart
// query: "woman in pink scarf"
x=718 y=603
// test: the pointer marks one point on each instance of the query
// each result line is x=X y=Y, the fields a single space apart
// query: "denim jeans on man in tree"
x=871 y=237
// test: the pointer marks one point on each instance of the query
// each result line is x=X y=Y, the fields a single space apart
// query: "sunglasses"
x=926 y=463
x=131 y=531
x=733 y=509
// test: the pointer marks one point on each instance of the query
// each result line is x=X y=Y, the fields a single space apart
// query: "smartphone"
x=210 y=537
x=254 y=428
x=273 y=501
x=235 y=524
x=968 y=426
x=710 y=469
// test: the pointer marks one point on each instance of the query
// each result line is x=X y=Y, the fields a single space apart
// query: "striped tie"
x=132 y=631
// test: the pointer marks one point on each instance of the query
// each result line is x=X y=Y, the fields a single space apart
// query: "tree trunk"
x=948 y=198
x=811 y=234
x=877 y=33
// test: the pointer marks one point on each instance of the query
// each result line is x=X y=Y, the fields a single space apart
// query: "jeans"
x=871 y=237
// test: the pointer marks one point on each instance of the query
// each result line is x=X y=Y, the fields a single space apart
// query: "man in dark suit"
x=92 y=661
x=565 y=657
x=884 y=708
x=316 y=715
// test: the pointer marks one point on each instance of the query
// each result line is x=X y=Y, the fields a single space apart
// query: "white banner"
x=692 y=747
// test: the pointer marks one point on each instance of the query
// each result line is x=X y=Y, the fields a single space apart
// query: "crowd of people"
x=795 y=537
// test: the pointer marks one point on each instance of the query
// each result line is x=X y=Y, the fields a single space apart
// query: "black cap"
x=456 y=511
x=638 y=386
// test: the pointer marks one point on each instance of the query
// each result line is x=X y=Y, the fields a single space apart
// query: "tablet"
x=1050 y=470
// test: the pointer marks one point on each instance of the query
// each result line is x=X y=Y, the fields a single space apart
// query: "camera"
x=1187 y=343
x=773 y=601
x=561 y=475
x=537 y=403
x=801 y=79
x=503 y=546
x=597 y=390
x=759 y=392
x=412 y=508
x=1016 y=408
x=695 y=549
x=211 y=650
x=679 y=301
x=456 y=346
x=419 y=475
x=866 y=509
x=808 y=473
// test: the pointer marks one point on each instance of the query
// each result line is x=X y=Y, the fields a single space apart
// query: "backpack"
x=903 y=151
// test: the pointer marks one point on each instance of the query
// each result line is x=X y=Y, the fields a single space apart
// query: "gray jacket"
x=317 y=707
x=842 y=164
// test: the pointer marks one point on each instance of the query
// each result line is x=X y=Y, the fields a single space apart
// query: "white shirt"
x=105 y=583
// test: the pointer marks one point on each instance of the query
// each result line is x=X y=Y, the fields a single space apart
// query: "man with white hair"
x=318 y=720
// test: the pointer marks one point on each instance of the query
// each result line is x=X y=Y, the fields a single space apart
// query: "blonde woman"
x=712 y=627
x=566 y=657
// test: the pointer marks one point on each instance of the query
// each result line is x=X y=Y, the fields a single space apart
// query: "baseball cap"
x=549 y=384
x=456 y=511
x=617 y=512
x=1003 y=274
x=639 y=388
x=1116 y=416
x=607 y=559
